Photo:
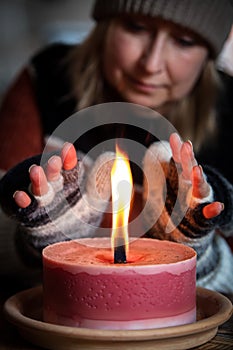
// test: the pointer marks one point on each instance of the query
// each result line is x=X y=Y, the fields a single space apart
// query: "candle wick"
x=119 y=255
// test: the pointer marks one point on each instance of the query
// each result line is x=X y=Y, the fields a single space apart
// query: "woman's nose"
x=153 y=59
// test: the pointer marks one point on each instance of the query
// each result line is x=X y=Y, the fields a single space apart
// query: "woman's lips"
x=146 y=87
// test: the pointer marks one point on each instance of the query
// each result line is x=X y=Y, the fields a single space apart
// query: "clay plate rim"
x=24 y=310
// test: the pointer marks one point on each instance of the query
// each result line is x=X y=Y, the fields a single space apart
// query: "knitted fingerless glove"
x=172 y=213
x=72 y=208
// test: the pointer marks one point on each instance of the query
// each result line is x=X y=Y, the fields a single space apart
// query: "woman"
x=158 y=54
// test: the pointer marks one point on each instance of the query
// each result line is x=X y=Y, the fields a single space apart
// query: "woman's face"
x=152 y=62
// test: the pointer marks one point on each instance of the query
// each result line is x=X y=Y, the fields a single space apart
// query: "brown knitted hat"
x=210 y=19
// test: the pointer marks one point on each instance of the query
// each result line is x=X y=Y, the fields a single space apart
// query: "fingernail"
x=53 y=159
x=177 y=135
x=67 y=144
x=201 y=169
x=190 y=142
x=32 y=166
x=222 y=206
x=14 y=194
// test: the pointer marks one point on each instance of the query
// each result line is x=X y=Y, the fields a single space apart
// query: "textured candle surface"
x=84 y=288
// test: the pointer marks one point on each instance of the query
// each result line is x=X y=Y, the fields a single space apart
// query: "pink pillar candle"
x=82 y=286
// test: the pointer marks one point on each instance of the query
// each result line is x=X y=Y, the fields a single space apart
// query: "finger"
x=188 y=160
x=69 y=156
x=201 y=188
x=213 y=209
x=53 y=169
x=175 y=143
x=39 y=183
x=22 y=199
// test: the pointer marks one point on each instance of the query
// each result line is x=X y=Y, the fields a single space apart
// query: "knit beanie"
x=210 y=19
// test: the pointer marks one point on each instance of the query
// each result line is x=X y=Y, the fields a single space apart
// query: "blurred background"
x=28 y=25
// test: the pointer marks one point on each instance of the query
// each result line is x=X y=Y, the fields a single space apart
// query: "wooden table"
x=224 y=338
x=11 y=340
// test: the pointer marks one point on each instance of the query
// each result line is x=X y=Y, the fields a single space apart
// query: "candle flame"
x=122 y=184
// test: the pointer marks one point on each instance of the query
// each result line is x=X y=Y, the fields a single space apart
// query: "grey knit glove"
x=72 y=208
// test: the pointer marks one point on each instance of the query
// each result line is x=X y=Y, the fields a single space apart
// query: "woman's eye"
x=135 y=26
x=185 y=42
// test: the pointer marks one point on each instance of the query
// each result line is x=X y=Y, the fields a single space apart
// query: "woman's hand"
x=183 y=154
x=40 y=177
x=65 y=199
